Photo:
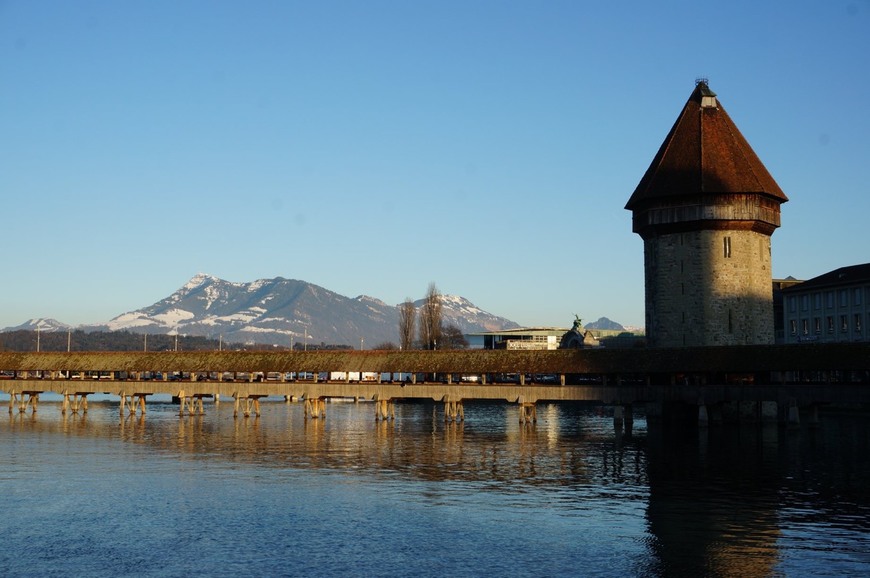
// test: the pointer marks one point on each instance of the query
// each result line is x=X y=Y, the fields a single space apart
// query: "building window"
x=817 y=324
x=793 y=326
x=817 y=300
x=829 y=299
x=727 y=247
x=844 y=323
x=858 y=296
x=857 y=323
x=805 y=326
x=805 y=302
x=830 y=323
x=792 y=304
x=844 y=298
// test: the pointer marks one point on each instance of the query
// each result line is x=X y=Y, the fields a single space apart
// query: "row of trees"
x=78 y=340
x=431 y=332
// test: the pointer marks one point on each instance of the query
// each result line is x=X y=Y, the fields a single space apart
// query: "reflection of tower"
x=706 y=209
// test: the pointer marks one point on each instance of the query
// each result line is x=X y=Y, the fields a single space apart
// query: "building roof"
x=852 y=275
x=704 y=153
x=525 y=331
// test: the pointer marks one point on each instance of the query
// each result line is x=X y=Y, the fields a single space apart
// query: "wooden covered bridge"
x=789 y=376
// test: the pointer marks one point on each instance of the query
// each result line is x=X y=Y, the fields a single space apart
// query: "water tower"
x=706 y=209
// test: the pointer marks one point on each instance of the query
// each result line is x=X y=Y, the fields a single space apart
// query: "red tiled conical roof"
x=704 y=153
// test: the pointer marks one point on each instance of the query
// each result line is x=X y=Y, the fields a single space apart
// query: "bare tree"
x=452 y=338
x=430 y=318
x=407 y=321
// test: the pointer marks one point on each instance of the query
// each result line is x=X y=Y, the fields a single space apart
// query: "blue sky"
x=372 y=147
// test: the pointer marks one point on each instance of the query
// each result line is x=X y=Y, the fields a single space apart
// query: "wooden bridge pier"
x=23 y=399
x=133 y=402
x=250 y=403
x=385 y=409
x=623 y=417
x=74 y=402
x=453 y=410
x=528 y=412
x=192 y=403
x=315 y=407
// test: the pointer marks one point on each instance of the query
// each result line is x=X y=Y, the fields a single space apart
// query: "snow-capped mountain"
x=285 y=311
x=41 y=324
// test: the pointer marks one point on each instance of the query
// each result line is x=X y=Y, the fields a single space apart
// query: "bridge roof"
x=835 y=356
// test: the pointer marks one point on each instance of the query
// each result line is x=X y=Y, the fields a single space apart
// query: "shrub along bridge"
x=756 y=382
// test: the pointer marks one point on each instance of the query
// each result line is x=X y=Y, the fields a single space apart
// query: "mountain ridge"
x=277 y=311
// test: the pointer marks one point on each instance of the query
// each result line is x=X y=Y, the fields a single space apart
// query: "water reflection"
x=748 y=500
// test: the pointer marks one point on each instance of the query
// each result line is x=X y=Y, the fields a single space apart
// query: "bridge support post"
x=703 y=417
x=453 y=410
x=23 y=400
x=191 y=403
x=528 y=412
x=794 y=418
x=618 y=417
x=629 y=418
x=315 y=408
x=133 y=402
x=74 y=402
x=250 y=404
x=385 y=409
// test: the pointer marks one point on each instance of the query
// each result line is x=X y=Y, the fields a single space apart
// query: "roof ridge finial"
x=702 y=80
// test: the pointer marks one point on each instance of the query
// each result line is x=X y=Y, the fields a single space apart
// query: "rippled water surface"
x=160 y=495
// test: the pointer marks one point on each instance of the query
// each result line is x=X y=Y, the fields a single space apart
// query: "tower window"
x=727 y=246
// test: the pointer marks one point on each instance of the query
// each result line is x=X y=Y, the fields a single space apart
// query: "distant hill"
x=605 y=324
x=42 y=324
x=284 y=312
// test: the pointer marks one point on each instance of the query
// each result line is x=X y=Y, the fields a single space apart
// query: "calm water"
x=98 y=495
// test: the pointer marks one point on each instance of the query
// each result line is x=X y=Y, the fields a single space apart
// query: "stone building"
x=706 y=209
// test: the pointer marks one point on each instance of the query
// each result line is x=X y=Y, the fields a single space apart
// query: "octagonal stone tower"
x=706 y=209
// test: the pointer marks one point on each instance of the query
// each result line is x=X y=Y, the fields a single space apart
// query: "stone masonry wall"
x=708 y=287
